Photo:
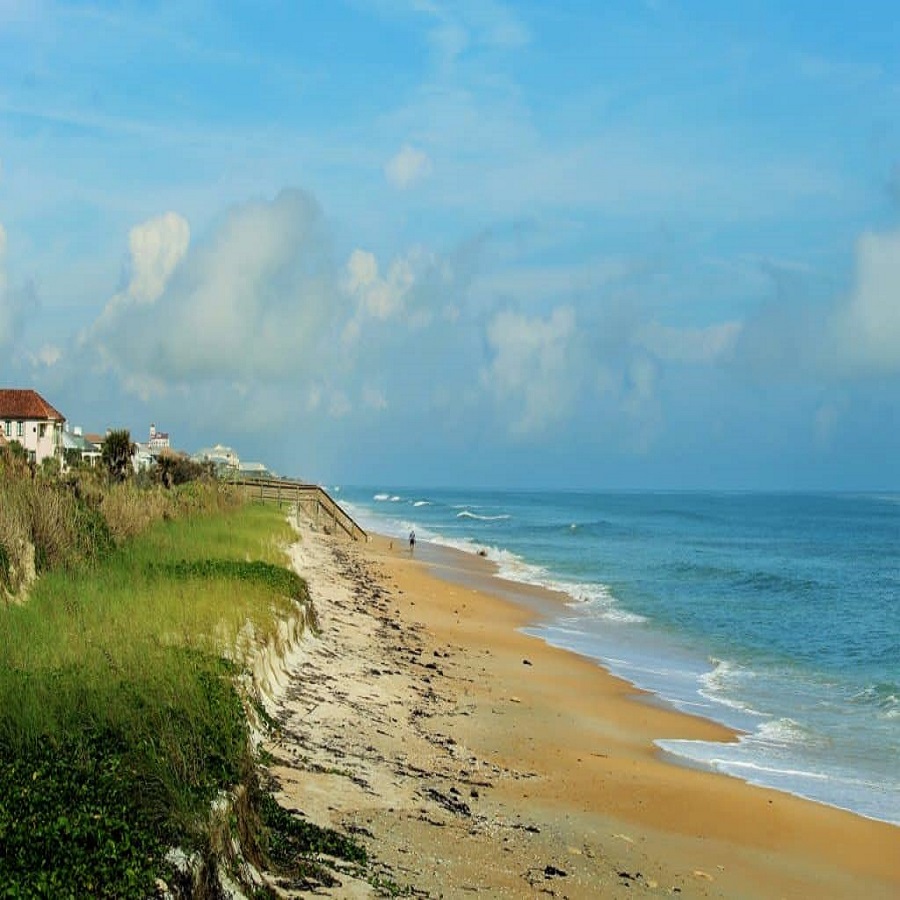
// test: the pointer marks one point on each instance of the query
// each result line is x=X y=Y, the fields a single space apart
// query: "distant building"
x=141 y=456
x=74 y=442
x=255 y=470
x=223 y=458
x=26 y=417
x=159 y=440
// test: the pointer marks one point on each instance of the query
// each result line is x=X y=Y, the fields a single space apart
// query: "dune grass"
x=119 y=716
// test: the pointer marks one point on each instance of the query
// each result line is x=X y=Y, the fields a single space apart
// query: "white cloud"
x=866 y=330
x=374 y=398
x=689 y=345
x=339 y=405
x=408 y=167
x=313 y=400
x=157 y=246
x=641 y=404
x=49 y=355
x=459 y=26
x=531 y=366
x=382 y=298
x=256 y=300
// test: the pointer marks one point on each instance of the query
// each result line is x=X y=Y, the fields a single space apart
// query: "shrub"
x=116 y=454
x=172 y=470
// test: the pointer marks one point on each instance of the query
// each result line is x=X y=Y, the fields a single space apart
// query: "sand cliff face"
x=470 y=758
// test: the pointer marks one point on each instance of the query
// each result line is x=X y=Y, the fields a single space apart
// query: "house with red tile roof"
x=26 y=417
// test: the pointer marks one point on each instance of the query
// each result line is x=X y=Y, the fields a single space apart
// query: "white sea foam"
x=782 y=732
x=734 y=766
x=422 y=503
x=594 y=599
x=467 y=514
x=720 y=684
x=882 y=697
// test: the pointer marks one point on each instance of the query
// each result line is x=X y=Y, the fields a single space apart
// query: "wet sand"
x=469 y=757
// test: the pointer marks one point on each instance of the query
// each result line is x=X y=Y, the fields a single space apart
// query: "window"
x=21 y=429
x=8 y=428
x=43 y=429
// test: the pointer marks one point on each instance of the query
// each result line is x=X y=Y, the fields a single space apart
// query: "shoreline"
x=480 y=570
x=500 y=763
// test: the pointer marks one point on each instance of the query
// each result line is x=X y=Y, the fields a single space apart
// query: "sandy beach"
x=471 y=758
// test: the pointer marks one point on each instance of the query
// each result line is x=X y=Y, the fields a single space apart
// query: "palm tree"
x=116 y=454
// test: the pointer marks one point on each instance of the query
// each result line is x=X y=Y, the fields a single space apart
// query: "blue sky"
x=631 y=244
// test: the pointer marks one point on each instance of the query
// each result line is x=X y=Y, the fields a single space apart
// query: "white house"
x=159 y=440
x=222 y=457
x=26 y=417
x=75 y=440
x=142 y=456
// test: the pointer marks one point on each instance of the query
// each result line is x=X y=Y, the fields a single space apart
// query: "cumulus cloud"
x=689 y=345
x=373 y=398
x=641 y=403
x=408 y=167
x=414 y=286
x=378 y=297
x=486 y=23
x=866 y=329
x=255 y=300
x=339 y=405
x=48 y=356
x=531 y=366
x=156 y=247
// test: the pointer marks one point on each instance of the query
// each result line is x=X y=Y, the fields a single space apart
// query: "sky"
x=440 y=242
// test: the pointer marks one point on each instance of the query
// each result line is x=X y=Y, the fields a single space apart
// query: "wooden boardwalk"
x=312 y=499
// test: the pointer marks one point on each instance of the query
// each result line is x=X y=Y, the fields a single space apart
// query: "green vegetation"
x=294 y=845
x=120 y=719
x=116 y=454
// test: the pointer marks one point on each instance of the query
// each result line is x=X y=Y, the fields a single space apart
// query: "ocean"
x=775 y=614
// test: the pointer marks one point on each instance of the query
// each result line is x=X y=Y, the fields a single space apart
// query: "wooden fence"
x=311 y=499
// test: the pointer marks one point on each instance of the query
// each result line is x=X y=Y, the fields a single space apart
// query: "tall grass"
x=119 y=718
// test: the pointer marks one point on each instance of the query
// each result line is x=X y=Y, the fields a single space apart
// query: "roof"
x=26 y=404
x=77 y=442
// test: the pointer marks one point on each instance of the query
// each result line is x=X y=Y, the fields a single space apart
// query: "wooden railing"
x=311 y=499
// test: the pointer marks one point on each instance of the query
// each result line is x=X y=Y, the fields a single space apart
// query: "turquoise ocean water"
x=775 y=614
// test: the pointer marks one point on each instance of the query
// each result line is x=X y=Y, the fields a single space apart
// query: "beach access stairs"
x=310 y=499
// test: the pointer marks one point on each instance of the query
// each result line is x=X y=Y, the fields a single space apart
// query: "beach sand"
x=471 y=758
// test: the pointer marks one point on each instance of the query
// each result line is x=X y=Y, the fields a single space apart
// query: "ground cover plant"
x=120 y=721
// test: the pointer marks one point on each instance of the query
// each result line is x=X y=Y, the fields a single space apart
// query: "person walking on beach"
x=412 y=541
